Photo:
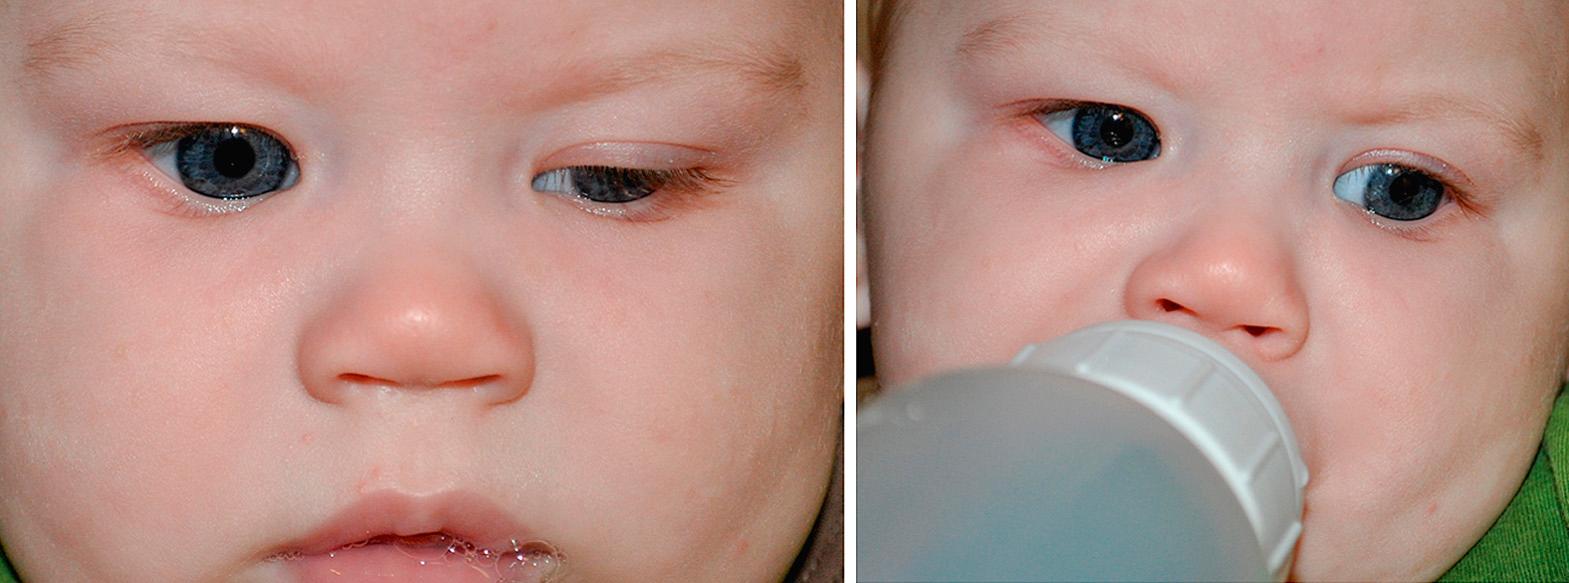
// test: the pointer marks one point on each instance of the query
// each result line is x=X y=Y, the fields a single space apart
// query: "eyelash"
x=679 y=188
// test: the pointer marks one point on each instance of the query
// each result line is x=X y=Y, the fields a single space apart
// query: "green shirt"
x=1530 y=540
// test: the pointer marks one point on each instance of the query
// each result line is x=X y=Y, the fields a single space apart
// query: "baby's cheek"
x=711 y=396
x=1412 y=445
x=994 y=249
x=122 y=446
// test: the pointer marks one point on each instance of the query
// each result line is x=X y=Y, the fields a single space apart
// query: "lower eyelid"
x=659 y=206
x=1421 y=230
x=171 y=198
x=1043 y=139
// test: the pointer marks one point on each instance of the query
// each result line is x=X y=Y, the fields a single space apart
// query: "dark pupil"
x=1403 y=194
x=234 y=158
x=1114 y=134
x=1406 y=188
x=1117 y=130
x=612 y=185
x=232 y=162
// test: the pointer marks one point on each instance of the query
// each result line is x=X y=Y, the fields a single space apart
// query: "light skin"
x=652 y=388
x=1416 y=361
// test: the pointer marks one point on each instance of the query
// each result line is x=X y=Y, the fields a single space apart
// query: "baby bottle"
x=1129 y=450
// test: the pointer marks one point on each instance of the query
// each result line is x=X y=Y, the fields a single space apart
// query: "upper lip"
x=459 y=514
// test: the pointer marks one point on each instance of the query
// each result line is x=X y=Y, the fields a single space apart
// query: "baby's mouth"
x=436 y=557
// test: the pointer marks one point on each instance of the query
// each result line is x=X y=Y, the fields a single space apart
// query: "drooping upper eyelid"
x=647 y=155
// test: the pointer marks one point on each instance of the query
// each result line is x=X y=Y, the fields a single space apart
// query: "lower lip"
x=400 y=563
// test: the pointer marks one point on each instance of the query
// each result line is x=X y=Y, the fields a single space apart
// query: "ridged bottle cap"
x=1209 y=396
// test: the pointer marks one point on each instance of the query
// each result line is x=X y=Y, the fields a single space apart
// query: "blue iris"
x=1105 y=132
x=1391 y=191
x=602 y=184
x=233 y=162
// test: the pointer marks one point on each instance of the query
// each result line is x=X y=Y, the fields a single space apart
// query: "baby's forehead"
x=523 y=37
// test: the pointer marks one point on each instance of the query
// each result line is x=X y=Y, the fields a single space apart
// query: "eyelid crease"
x=632 y=155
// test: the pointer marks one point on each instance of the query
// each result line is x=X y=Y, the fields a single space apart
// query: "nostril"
x=1257 y=331
x=1169 y=306
x=361 y=379
x=471 y=382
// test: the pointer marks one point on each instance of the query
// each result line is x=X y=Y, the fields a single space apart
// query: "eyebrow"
x=1020 y=30
x=1520 y=132
x=775 y=68
x=72 y=44
x=80 y=42
x=1000 y=34
x=1034 y=26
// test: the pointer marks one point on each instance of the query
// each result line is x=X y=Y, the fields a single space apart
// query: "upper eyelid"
x=1047 y=106
x=1445 y=171
x=123 y=139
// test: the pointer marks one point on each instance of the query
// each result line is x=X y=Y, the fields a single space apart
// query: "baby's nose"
x=417 y=324
x=1233 y=281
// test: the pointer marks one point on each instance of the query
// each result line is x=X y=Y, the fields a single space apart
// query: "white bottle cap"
x=1212 y=398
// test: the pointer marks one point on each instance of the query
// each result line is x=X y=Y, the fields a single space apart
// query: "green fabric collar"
x=7 y=574
x=1530 y=540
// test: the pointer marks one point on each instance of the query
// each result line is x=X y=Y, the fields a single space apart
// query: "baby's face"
x=442 y=297
x=1368 y=203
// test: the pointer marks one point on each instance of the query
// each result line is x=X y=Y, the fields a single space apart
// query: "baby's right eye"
x=222 y=161
x=1105 y=132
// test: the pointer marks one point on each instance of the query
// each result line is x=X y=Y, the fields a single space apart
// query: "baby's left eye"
x=1392 y=191
x=602 y=184
x=611 y=189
